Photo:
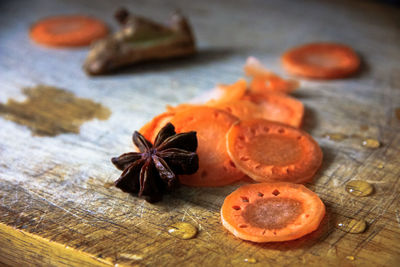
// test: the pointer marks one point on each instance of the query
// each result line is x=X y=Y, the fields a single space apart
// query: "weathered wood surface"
x=55 y=209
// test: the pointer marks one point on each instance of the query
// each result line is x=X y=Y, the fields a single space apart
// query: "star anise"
x=155 y=169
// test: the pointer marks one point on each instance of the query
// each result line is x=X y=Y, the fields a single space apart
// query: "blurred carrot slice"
x=278 y=107
x=68 y=30
x=264 y=80
x=211 y=125
x=270 y=151
x=228 y=93
x=321 y=60
x=272 y=212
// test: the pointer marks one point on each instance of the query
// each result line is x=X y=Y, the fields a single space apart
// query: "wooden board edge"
x=20 y=247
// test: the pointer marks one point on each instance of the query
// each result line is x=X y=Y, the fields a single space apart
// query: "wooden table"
x=56 y=207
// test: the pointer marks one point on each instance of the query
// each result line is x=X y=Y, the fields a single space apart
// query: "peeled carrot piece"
x=68 y=30
x=278 y=107
x=228 y=93
x=269 y=151
x=265 y=81
x=211 y=125
x=321 y=60
x=150 y=129
x=272 y=212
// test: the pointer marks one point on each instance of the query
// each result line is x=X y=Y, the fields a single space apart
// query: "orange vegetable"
x=228 y=93
x=278 y=107
x=265 y=81
x=211 y=125
x=68 y=30
x=269 y=151
x=150 y=129
x=321 y=60
x=271 y=212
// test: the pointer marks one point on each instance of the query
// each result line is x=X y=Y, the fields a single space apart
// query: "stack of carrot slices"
x=252 y=130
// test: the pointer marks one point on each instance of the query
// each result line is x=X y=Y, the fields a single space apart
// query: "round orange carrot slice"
x=228 y=93
x=272 y=212
x=264 y=80
x=270 y=151
x=150 y=129
x=321 y=60
x=68 y=30
x=278 y=107
x=211 y=125
x=243 y=109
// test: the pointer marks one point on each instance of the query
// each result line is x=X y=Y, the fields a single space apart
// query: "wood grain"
x=56 y=207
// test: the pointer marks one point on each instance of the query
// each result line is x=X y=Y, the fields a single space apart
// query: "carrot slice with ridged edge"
x=68 y=30
x=269 y=151
x=278 y=107
x=321 y=60
x=272 y=212
x=265 y=81
x=228 y=93
x=211 y=125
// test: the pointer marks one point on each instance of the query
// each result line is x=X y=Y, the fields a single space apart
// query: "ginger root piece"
x=139 y=40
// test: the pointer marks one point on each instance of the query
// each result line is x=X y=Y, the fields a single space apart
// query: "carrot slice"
x=270 y=151
x=243 y=109
x=272 y=212
x=321 y=60
x=228 y=93
x=150 y=129
x=264 y=80
x=278 y=107
x=211 y=125
x=68 y=30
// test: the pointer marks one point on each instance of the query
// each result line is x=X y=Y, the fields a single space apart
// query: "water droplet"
x=359 y=188
x=182 y=230
x=250 y=260
x=136 y=257
x=335 y=136
x=352 y=226
x=364 y=127
x=371 y=143
x=350 y=258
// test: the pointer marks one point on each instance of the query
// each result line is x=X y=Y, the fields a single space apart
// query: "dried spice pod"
x=139 y=40
x=155 y=169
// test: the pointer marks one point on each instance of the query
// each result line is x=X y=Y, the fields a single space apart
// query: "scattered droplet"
x=371 y=143
x=136 y=257
x=182 y=230
x=359 y=188
x=380 y=166
x=350 y=258
x=352 y=226
x=397 y=111
x=250 y=260
x=108 y=184
x=335 y=136
x=364 y=127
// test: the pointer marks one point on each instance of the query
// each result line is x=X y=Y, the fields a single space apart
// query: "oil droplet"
x=350 y=258
x=371 y=143
x=352 y=226
x=182 y=230
x=364 y=127
x=250 y=260
x=108 y=184
x=380 y=166
x=49 y=111
x=359 y=188
x=335 y=136
x=397 y=111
